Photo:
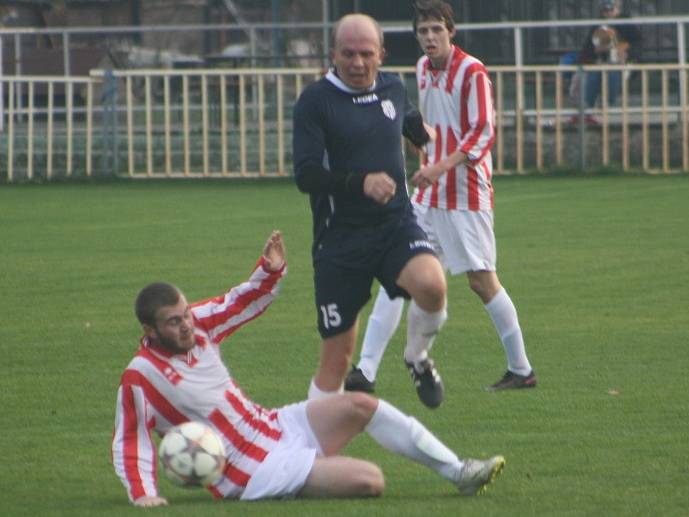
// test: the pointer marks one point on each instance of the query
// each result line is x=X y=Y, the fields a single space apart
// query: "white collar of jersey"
x=330 y=76
x=446 y=65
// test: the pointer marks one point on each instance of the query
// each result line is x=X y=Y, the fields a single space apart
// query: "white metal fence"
x=42 y=130
x=237 y=123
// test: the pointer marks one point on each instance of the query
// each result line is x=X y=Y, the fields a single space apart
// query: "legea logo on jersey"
x=413 y=245
x=388 y=109
x=365 y=99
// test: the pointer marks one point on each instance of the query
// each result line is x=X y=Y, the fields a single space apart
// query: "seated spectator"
x=614 y=44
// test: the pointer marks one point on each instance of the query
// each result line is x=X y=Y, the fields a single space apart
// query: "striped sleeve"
x=478 y=126
x=133 y=451
x=222 y=315
x=421 y=68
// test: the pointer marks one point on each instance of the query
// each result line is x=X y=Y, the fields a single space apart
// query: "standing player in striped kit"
x=178 y=376
x=453 y=200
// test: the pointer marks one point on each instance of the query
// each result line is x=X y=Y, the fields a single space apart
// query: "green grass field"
x=598 y=268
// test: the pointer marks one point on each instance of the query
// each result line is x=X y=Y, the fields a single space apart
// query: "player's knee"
x=436 y=289
x=433 y=297
x=424 y=279
x=438 y=292
x=362 y=407
x=428 y=290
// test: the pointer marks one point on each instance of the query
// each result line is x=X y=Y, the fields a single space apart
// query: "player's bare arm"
x=428 y=175
x=274 y=251
x=380 y=187
x=432 y=135
x=148 y=501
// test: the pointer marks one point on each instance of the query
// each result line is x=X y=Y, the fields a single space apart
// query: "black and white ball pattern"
x=192 y=454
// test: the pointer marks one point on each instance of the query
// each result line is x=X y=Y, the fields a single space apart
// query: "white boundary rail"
x=223 y=116
x=237 y=123
x=26 y=119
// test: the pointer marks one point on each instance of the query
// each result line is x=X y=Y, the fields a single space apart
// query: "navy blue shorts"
x=348 y=259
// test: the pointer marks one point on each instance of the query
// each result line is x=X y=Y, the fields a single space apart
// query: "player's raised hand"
x=380 y=187
x=148 y=501
x=274 y=251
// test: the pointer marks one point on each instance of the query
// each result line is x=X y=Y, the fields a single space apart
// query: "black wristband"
x=414 y=129
x=354 y=182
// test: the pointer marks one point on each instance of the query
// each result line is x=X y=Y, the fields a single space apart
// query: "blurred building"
x=541 y=46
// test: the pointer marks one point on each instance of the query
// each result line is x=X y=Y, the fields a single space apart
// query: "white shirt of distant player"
x=457 y=102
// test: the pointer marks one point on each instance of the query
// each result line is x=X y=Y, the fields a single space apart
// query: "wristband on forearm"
x=354 y=182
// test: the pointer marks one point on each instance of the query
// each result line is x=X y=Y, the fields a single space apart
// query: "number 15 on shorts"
x=331 y=318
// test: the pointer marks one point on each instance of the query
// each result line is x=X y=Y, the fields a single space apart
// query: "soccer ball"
x=192 y=455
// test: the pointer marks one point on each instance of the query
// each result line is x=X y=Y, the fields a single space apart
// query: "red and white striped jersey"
x=458 y=102
x=159 y=390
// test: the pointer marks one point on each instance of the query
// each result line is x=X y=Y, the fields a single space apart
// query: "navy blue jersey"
x=342 y=134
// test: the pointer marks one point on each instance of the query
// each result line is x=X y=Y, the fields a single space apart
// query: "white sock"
x=504 y=316
x=406 y=436
x=380 y=328
x=316 y=393
x=422 y=328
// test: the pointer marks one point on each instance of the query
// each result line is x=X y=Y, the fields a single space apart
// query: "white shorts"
x=463 y=239
x=285 y=469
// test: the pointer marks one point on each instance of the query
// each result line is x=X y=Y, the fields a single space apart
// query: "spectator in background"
x=614 y=44
x=9 y=19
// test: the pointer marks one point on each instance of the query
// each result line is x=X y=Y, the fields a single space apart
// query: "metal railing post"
x=582 y=109
x=18 y=71
x=109 y=162
x=519 y=57
x=518 y=47
x=66 y=64
x=252 y=46
x=2 y=92
x=326 y=35
x=682 y=59
x=104 y=124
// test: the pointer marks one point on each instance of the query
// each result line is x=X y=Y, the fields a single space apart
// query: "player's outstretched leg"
x=337 y=420
x=382 y=323
x=405 y=435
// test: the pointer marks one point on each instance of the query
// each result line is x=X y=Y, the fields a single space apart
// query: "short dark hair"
x=434 y=10
x=153 y=297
